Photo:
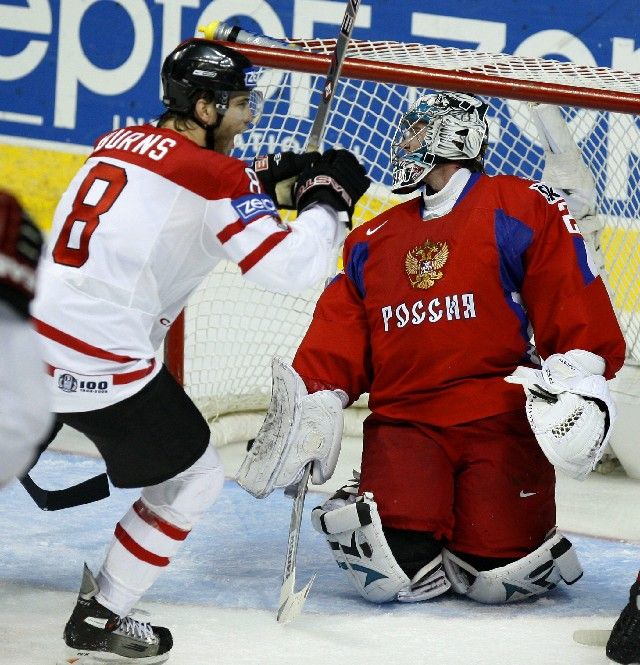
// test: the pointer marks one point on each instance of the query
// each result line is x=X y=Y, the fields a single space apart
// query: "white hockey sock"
x=153 y=529
x=143 y=546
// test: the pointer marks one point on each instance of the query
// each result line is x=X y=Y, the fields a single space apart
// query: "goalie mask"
x=200 y=66
x=441 y=127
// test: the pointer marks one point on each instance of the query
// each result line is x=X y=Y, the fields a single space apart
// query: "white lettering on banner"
x=35 y=18
x=489 y=36
x=74 y=68
x=128 y=121
x=402 y=315
x=34 y=48
x=550 y=44
x=172 y=27
x=625 y=56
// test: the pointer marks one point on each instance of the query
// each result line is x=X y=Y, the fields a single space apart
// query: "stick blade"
x=291 y=604
x=592 y=638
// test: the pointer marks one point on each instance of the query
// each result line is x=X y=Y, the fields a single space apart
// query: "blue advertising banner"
x=73 y=69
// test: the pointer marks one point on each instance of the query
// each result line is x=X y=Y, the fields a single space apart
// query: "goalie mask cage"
x=232 y=328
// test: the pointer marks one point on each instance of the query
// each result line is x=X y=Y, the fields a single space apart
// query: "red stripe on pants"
x=138 y=551
x=158 y=523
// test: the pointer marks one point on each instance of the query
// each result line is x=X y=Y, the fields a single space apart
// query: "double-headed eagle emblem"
x=424 y=263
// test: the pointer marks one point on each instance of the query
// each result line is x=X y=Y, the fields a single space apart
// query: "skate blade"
x=592 y=638
x=101 y=658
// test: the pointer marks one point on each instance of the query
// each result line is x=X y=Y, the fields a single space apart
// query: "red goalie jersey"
x=429 y=316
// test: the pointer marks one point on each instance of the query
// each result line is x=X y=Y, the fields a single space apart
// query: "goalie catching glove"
x=336 y=179
x=299 y=428
x=569 y=408
x=278 y=173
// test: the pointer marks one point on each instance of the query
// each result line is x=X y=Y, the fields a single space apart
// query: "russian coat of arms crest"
x=424 y=263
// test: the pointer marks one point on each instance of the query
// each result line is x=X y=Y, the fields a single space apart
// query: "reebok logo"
x=524 y=494
x=370 y=232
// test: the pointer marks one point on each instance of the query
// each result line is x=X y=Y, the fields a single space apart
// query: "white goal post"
x=222 y=349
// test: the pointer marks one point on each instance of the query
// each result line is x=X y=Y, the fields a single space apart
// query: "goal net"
x=232 y=328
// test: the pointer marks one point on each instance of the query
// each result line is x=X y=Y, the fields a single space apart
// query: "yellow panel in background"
x=37 y=177
x=621 y=249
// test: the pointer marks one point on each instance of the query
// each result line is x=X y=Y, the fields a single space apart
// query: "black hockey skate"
x=94 y=634
x=624 y=642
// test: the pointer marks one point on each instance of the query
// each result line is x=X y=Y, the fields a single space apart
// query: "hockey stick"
x=592 y=638
x=291 y=601
x=88 y=491
x=339 y=54
x=218 y=30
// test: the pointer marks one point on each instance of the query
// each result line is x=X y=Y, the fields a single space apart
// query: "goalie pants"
x=484 y=487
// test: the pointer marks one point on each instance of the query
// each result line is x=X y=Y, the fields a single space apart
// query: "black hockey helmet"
x=198 y=65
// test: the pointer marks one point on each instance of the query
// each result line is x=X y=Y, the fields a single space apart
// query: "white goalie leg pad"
x=533 y=575
x=357 y=542
x=354 y=533
x=569 y=408
x=298 y=429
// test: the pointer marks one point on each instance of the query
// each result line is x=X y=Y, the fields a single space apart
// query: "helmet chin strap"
x=208 y=129
x=210 y=133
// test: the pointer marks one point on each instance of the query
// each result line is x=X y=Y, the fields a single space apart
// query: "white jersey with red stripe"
x=146 y=218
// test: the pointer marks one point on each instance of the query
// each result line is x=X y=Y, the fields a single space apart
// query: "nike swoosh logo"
x=524 y=494
x=370 y=232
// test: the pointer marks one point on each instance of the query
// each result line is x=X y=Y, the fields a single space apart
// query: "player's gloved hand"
x=337 y=179
x=569 y=408
x=278 y=173
x=20 y=246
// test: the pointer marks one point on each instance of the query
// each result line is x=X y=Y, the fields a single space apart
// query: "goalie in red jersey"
x=437 y=305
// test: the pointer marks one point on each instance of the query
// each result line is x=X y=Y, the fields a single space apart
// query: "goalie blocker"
x=299 y=428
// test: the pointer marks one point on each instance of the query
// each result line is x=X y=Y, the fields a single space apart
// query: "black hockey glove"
x=278 y=173
x=337 y=179
x=20 y=245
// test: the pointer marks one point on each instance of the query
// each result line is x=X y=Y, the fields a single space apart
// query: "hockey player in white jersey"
x=25 y=416
x=147 y=217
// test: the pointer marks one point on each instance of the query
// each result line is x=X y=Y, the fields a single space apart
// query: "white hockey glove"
x=299 y=428
x=564 y=167
x=566 y=171
x=569 y=408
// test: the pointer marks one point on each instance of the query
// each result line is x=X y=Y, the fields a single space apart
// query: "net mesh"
x=234 y=328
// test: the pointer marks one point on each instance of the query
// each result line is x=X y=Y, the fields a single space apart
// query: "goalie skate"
x=95 y=635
